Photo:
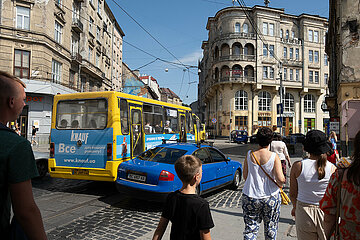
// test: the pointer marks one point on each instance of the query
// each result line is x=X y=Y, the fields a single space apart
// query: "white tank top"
x=310 y=188
x=257 y=184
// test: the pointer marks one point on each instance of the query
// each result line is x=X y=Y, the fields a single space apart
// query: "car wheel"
x=42 y=167
x=236 y=181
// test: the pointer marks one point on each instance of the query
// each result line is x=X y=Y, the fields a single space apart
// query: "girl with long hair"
x=349 y=204
x=308 y=181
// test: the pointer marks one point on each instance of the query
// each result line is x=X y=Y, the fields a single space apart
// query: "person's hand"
x=289 y=164
x=293 y=212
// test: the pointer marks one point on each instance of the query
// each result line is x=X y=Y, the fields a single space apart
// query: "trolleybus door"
x=136 y=132
x=182 y=135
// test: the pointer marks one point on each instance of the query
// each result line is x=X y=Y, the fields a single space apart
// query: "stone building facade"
x=239 y=79
x=60 y=46
x=342 y=46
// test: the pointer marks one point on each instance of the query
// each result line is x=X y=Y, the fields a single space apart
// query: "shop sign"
x=264 y=114
x=34 y=99
x=288 y=114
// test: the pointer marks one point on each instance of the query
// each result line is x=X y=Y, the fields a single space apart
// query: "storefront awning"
x=34 y=86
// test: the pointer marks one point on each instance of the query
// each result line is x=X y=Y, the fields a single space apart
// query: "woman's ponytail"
x=320 y=165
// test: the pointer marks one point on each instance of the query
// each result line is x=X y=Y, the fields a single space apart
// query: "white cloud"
x=192 y=58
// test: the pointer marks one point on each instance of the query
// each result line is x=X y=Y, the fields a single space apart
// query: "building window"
x=271 y=72
x=97 y=59
x=99 y=7
x=316 y=56
x=309 y=103
x=297 y=75
x=311 y=52
x=56 y=71
x=281 y=33
x=297 y=57
x=241 y=100
x=265 y=72
x=289 y=103
x=90 y=56
x=98 y=33
x=264 y=121
x=237 y=27
x=22 y=18
x=291 y=74
x=326 y=63
x=316 y=36
x=71 y=79
x=316 y=77
x=271 y=29
x=265 y=50
x=285 y=74
x=271 y=51
x=293 y=34
x=58 y=32
x=311 y=76
x=91 y=24
x=265 y=28
x=285 y=52
x=58 y=2
x=264 y=101
x=22 y=64
x=326 y=77
x=291 y=53
x=245 y=28
x=310 y=35
x=241 y=123
x=287 y=34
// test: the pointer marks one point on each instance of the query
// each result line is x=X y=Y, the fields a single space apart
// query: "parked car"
x=41 y=159
x=239 y=136
x=152 y=176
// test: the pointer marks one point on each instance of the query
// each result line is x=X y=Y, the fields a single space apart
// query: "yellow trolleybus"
x=92 y=133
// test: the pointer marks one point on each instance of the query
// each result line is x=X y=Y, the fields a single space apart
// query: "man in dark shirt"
x=17 y=166
x=189 y=214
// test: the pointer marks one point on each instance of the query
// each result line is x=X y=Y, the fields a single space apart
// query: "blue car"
x=152 y=176
x=239 y=136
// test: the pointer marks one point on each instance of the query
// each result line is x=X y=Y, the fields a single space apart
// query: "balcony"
x=236 y=79
x=77 y=25
x=241 y=57
x=76 y=57
x=294 y=41
x=292 y=62
x=236 y=35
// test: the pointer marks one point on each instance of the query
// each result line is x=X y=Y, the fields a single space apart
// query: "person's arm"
x=205 y=234
x=329 y=225
x=26 y=211
x=294 y=174
x=279 y=175
x=287 y=156
x=159 y=232
x=245 y=170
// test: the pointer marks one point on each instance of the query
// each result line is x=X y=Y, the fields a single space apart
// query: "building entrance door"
x=22 y=121
x=287 y=125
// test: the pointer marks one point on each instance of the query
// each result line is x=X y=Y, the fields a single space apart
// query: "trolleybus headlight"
x=52 y=150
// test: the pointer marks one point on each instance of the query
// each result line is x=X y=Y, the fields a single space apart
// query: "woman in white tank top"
x=308 y=181
x=261 y=197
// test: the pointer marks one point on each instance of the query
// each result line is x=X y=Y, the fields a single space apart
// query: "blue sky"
x=180 y=26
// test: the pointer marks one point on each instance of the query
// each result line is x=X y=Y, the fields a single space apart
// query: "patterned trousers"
x=256 y=210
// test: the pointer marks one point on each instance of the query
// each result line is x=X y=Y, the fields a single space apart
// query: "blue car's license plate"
x=136 y=177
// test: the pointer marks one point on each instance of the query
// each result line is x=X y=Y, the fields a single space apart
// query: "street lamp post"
x=281 y=96
x=230 y=123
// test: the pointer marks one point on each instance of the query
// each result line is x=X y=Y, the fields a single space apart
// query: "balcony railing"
x=236 y=35
x=241 y=57
x=77 y=25
x=292 y=62
x=76 y=57
x=237 y=79
x=291 y=41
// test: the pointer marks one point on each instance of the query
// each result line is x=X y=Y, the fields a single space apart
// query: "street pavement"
x=75 y=209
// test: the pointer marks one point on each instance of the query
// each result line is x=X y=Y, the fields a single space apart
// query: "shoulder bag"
x=284 y=198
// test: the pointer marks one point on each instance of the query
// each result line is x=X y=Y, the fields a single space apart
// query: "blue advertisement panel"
x=81 y=148
x=123 y=146
x=190 y=137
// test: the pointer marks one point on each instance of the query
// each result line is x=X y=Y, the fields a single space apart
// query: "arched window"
x=289 y=103
x=264 y=101
x=241 y=100
x=237 y=27
x=236 y=71
x=287 y=34
x=236 y=49
x=281 y=33
x=309 y=103
x=245 y=28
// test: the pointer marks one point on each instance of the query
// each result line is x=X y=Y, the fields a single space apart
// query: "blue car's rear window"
x=162 y=155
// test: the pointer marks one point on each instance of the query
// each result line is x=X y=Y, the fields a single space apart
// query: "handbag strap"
x=252 y=153
x=338 y=203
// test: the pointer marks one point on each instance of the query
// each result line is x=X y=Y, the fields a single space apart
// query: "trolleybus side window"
x=124 y=116
x=82 y=114
x=153 y=117
x=171 y=120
